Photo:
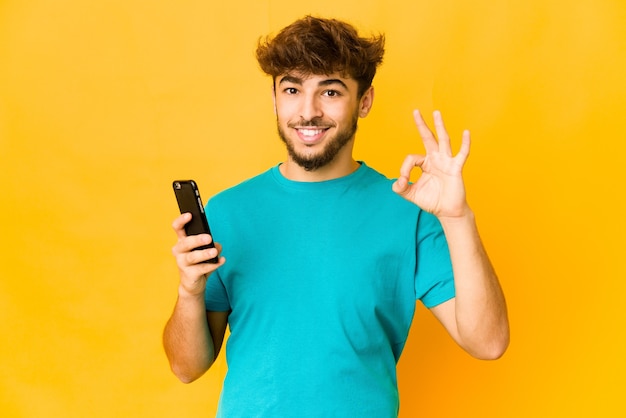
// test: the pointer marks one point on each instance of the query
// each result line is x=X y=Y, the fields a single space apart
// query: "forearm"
x=187 y=339
x=480 y=308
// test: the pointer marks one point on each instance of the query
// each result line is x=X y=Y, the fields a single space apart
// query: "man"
x=326 y=257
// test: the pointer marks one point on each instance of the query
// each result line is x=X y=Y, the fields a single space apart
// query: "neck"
x=333 y=170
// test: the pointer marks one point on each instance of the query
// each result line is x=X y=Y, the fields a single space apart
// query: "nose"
x=310 y=107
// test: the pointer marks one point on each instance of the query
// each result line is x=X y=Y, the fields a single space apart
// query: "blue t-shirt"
x=321 y=280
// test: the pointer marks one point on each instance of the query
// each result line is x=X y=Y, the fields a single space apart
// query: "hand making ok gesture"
x=440 y=189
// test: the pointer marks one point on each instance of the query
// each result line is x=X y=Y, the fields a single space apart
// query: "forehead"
x=316 y=80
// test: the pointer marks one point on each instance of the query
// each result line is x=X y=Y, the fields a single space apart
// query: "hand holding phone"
x=189 y=200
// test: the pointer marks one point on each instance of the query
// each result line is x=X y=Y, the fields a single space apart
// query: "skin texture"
x=333 y=124
x=477 y=317
x=332 y=103
x=316 y=119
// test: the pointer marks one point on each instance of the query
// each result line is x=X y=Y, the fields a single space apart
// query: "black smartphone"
x=188 y=197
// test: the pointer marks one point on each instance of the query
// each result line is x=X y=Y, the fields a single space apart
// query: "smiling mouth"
x=308 y=132
x=311 y=135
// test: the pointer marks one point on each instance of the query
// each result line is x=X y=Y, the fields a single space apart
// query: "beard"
x=310 y=161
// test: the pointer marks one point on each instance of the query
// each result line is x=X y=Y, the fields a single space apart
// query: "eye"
x=291 y=90
x=332 y=93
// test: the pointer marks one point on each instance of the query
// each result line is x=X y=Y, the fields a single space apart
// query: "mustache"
x=315 y=122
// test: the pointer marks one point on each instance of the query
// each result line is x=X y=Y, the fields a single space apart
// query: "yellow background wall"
x=104 y=103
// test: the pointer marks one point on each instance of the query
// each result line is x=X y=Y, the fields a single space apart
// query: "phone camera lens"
x=177 y=185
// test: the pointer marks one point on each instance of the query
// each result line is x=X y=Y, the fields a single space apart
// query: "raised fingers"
x=465 y=147
x=441 y=142
x=428 y=138
x=442 y=134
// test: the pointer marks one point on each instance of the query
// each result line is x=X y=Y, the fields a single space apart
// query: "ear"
x=274 y=97
x=366 y=102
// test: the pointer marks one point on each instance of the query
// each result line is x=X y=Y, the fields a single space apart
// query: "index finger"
x=179 y=224
x=428 y=138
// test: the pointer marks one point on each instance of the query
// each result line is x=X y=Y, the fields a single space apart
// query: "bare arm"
x=192 y=337
x=477 y=317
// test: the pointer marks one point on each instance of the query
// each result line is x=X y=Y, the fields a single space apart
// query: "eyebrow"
x=323 y=83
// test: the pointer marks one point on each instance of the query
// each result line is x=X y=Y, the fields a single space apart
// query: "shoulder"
x=251 y=186
x=371 y=174
x=377 y=182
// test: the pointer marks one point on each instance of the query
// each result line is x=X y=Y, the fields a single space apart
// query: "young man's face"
x=317 y=116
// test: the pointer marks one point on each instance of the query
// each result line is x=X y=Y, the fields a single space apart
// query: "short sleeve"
x=434 y=279
x=215 y=295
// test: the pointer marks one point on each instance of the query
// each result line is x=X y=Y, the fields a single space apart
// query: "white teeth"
x=310 y=132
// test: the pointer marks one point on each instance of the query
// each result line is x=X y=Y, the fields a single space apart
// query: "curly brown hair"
x=313 y=45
